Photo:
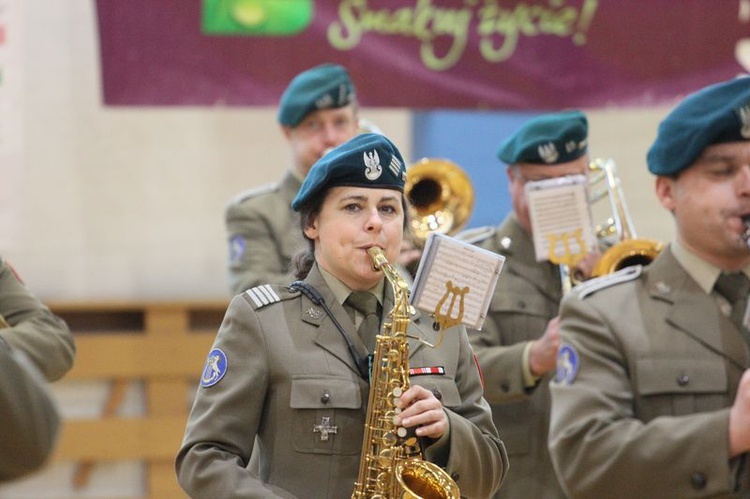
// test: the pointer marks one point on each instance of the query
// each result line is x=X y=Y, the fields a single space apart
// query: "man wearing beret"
x=317 y=111
x=518 y=343
x=652 y=393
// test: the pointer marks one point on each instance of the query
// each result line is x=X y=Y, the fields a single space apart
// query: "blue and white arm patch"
x=215 y=368
x=568 y=363
x=237 y=247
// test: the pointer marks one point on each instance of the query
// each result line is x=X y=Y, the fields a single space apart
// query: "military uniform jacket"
x=28 y=417
x=288 y=370
x=526 y=298
x=33 y=328
x=651 y=375
x=263 y=234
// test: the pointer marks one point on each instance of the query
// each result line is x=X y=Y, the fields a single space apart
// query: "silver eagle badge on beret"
x=373 y=170
x=548 y=152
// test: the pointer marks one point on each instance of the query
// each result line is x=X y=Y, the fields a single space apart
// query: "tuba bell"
x=625 y=248
x=441 y=198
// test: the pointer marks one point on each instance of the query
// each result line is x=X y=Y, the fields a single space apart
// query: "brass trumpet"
x=617 y=234
x=628 y=250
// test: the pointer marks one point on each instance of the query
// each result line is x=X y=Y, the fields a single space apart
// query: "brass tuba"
x=626 y=248
x=441 y=198
x=391 y=465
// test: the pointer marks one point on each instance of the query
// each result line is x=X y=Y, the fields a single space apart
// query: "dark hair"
x=304 y=259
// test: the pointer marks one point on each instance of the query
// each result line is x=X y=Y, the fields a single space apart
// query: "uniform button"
x=698 y=480
x=522 y=305
x=455 y=476
x=325 y=397
x=437 y=393
x=504 y=386
x=683 y=379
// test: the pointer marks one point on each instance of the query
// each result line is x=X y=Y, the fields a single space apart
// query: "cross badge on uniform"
x=325 y=428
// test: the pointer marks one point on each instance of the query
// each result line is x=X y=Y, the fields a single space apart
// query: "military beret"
x=327 y=86
x=549 y=139
x=367 y=160
x=713 y=115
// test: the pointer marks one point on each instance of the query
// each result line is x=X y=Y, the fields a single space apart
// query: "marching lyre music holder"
x=455 y=282
x=448 y=319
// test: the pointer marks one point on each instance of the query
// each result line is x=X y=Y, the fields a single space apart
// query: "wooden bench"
x=160 y=344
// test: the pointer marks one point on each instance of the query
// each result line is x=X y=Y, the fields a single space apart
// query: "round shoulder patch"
x=215 y=368
x=567 y=364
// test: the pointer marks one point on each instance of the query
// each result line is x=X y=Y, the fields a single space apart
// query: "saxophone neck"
x=398 y=284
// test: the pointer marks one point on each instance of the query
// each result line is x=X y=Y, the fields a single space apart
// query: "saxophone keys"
x=389 y=439
x=385 y=458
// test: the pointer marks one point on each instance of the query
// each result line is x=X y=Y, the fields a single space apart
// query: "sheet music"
x=470 y=270
x=560 y=215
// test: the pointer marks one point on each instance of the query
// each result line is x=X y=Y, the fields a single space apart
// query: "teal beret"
x=327 y=86
x=367 y=160
x=713 y=115
x=549 y=139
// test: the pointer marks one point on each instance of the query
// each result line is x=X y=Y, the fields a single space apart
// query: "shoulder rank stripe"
x=590 y=287
x=263 y=295
x=474 y=236
x=416 y=371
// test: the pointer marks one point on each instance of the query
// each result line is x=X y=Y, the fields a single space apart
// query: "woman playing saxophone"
x=290 y=371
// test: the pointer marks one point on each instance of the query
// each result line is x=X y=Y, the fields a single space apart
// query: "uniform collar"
x=341 y=291
x=703 y=272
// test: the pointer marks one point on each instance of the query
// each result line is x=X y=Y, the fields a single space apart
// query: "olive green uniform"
x=648 y=370
x=28 y=417
x=263 y=234
x=288 y=371
x=526 y=298
x=33 y=328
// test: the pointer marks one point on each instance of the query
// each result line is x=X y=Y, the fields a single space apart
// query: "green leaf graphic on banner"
x=256 y=17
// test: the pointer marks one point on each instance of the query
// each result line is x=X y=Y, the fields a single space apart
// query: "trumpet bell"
x=626 y=254
x=441 y=198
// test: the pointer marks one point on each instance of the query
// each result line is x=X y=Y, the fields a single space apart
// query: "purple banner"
x=470 y=54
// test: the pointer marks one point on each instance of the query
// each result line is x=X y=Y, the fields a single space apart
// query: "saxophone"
x=391 y=465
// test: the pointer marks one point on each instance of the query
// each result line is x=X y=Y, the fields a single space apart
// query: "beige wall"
x=125 y=202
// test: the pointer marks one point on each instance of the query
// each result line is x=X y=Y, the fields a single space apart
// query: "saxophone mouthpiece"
x=378 y=258
x=746 y=235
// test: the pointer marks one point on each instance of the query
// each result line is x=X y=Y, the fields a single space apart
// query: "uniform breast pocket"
x=327 y=416
x=521 y=316
x=676 y=387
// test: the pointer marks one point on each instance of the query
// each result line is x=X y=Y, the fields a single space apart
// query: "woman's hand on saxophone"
x=423 y=410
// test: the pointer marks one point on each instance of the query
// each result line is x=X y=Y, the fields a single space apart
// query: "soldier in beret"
x=317 y=111
x=517 y=346
x=652 y=393
x=289 y=364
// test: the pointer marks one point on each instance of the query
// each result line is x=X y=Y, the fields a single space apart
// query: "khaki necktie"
x=366 y=303
x=735 y=287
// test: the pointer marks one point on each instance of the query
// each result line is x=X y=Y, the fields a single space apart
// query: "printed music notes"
x=455 y=281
